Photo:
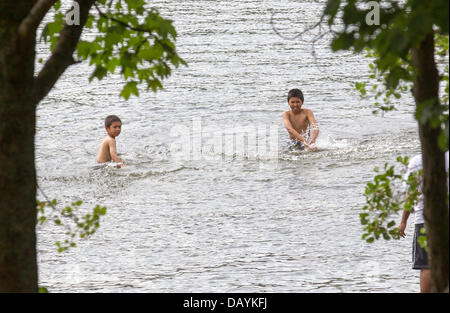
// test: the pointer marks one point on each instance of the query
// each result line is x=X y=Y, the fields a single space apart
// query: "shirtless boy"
x=298 y=121
x=107 y=151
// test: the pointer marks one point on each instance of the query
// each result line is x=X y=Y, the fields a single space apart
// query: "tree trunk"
x=18 y=262
x=20 y=92
x=426 y=88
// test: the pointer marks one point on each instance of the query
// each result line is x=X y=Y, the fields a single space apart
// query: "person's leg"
x=425 y=284
x=420 y=260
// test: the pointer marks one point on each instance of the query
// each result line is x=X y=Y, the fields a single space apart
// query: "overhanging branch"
x=62 y=56
x=124 y=24
x=27 y=28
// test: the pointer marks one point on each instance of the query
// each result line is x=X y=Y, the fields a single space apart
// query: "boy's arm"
x=113 y=151
x=315 y=125
x=292 y=132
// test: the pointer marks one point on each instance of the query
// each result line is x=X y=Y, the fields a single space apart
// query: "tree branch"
x=31 y=22
x=62 y=56
x=306 y=30
x=138 y=29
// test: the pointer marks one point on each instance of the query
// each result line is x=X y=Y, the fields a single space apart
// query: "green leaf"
x=99 y=73
x=130 y=88
x=112 y=64
x=332 y=7
x=443 y=140
x=85 y=49
x=151 y=53
x=343 y=42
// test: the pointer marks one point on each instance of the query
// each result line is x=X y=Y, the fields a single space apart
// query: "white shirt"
x=415 y=164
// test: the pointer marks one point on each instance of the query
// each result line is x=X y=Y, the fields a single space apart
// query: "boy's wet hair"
x=111 y=119
x=297 y=93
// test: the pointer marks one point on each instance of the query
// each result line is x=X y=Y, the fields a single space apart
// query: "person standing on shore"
x=419 y=254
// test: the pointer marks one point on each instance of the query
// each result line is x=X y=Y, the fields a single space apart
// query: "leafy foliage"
x=403 y=25
x=130 y=38
x=437 y=117
x=77 y=225
x=382 y=94
x=389 y=193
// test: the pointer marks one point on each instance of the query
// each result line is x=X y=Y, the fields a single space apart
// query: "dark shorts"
x=297 y=144
x=419 y=254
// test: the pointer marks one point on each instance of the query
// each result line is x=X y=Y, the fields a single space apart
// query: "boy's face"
x=295 y=104
x=114 y=129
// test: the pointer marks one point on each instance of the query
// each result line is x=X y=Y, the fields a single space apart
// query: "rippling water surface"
x=223 y=219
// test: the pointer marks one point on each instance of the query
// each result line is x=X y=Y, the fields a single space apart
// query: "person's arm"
x=402 y=226
x=315 y=125
x=113 y=151
x=291 y=130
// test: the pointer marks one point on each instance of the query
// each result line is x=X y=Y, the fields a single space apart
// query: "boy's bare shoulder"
x=285 y=113
x=109 y=140
x=309 y=112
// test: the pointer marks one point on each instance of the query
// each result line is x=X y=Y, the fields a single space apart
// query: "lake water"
x=244 y=212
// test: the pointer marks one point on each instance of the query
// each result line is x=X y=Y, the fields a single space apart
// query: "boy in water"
x=299 y=121
x=107 y=151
